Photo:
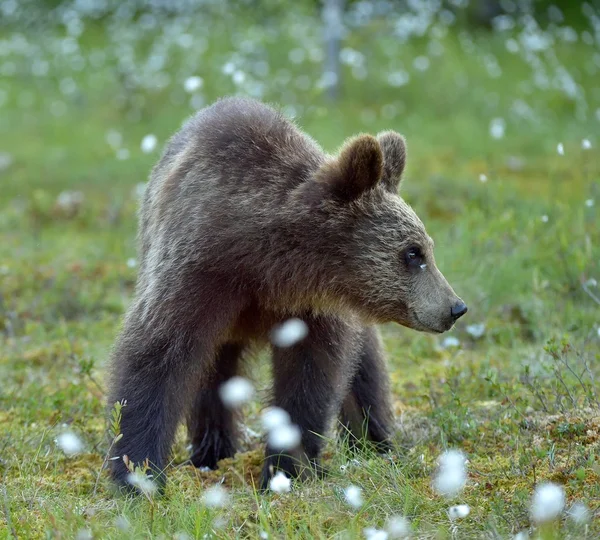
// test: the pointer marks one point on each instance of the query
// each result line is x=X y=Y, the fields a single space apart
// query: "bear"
x=246 y=223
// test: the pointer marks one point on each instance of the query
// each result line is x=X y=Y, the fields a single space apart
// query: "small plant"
x=115 y=434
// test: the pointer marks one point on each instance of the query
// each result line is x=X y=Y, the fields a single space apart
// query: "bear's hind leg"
x=310 y=380
x=211 y=425
x=366 y=412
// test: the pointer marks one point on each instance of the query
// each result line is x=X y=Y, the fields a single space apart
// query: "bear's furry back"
x=219 y=200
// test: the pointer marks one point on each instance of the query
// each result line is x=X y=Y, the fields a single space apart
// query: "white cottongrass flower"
x=371 y=533
x=548 y=502
x=589 y=203
x=521 y=535
x=236 y=391
x=280 y=483
x=560 y=148
x=142 y=482
x=274 y=417
x=545 y=218
x=215 y=497
x=122 y=154
x=353 y=495
x=289 y=333
x=476 y=330
x=483 y=178
x=69 y=443
x=192 y=84
x=84 y=534
x=263 y=534
x=497 y=127
x=452 y=473
x=131 y=262
x=450 y=341
x=579 y=513
x=586 y=144
x=149 y=143
x=459 y=511
x=398 y=527
x=285 y=437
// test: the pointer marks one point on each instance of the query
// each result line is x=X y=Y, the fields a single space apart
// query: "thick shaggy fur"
x=246 y=222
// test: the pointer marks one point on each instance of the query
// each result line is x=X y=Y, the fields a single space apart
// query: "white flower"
x=353 y=495
x=450 y=341
x=459 y=511
x=589 y=203
x=548 y=502
x=289 y=333
x=215 y=497
x=274 y=417
x=263 y=534
x=84 y=534
x=285 y=437
x=482 y=178
x=122 y=154
x=131 y=262
x=122 y=523
x=69 y=443
x=521 y=535
x=114 y=138
x=371 y=533
x=545 y=218
x=142 y=482
x=236 y=391
x=398 y=527
x=497 y=127
x=452 y=473
x=238 y=77
x=139 y=190
x=560 y=149
x=192 y=84
x=280 y=483
x=579 y=513
x=476 y=330
x=586 y=144
x=149 y=143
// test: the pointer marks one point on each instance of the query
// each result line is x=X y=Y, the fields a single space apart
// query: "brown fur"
x=245 y=223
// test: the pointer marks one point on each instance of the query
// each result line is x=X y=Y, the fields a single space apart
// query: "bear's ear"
x=357 y=168
x=393 y=147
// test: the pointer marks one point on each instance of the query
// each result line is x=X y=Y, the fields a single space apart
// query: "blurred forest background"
x=500 y=105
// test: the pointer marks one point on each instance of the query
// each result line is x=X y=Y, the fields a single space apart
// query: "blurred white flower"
x=398 y=78
x=497 y=127
x=131 y=262
x=548 y=502
x=284 y=437
x=459 y=511
x=398 y=527
x=238 y=77
x=579 y=513
x=353 y=495
x=274 y=417
x=560 y=149
x=236 y=391
x=263 y=534
x=521 y=535
x=289 y=333
x=452 y=473
x=114 y=138
x=586 y=144
x=482 y=178
x=122 y=154
x=142 y=482
x=280 y=483
x=544 y=218
x=139 y=190
x=421 y=63
x=69 y=201
x=215 y=497
x=5 y=160
x=84 y=534
x=589 y=203
x=148 y=143
x=476 y=330
x=371 y=533
x=450 y=341
x=122 y=523
x=192 y=84
x=69 y=443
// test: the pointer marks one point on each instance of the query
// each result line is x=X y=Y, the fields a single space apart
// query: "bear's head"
x=385 y=267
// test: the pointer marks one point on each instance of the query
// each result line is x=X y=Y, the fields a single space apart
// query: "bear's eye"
x=413 y=256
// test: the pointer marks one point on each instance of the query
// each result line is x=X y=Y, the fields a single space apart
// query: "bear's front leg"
x=310 y=380
x=366 y=412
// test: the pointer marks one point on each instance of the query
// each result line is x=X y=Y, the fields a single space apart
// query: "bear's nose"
x=458 y=310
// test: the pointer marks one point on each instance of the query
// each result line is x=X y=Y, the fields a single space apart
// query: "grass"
x=520 y=400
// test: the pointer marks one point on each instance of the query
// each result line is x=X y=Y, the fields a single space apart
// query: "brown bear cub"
x=246 y=223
